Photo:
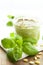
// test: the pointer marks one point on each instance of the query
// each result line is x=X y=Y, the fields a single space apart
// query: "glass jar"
x=29 y=29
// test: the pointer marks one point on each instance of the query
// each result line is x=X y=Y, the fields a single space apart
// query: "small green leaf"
x=11 y=16
x=9 y=23
x=14 y=54
x=17 y=39
x=12 y=34
x=31 y=40
x=8 y=43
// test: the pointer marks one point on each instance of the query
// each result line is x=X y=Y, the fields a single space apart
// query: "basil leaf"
x=31 y=40
x=17 y=39
x=9 y=23
x=8 y=43
x=11 y=16
x=14 y=54
x=12 y=35
x=29 y=49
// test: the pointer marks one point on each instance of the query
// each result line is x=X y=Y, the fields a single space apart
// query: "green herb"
x=15 y=45
x=29 y=49
x=12 y=35
x=31 y=40
x=14 y=54
x=17 y=39
x=9 y=23
x=8 y=43
x=11 y=17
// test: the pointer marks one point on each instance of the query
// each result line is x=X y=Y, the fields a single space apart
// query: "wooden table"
x=4 y=60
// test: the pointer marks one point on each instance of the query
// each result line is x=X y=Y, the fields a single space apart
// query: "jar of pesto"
x=29 y=29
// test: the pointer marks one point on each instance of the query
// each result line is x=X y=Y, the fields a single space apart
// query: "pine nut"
x=37 y=62
x=25 y=60
x=31 y=63
x=35 y=58
x=38 y=57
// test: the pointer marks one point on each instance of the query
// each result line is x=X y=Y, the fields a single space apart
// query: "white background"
x=30 y=8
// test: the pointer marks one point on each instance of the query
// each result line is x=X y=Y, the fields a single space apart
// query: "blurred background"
x=30 y=8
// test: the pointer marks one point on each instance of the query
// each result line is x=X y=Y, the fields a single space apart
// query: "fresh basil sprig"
x=16 y=46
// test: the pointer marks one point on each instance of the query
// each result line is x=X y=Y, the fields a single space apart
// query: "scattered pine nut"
x=31 y=63
x=40 y=53
x=19 y=20
x=26 y=19
x=37 y=62
x=38 y=57
x=25 y=60
x=35 y=58
x=32 y=20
